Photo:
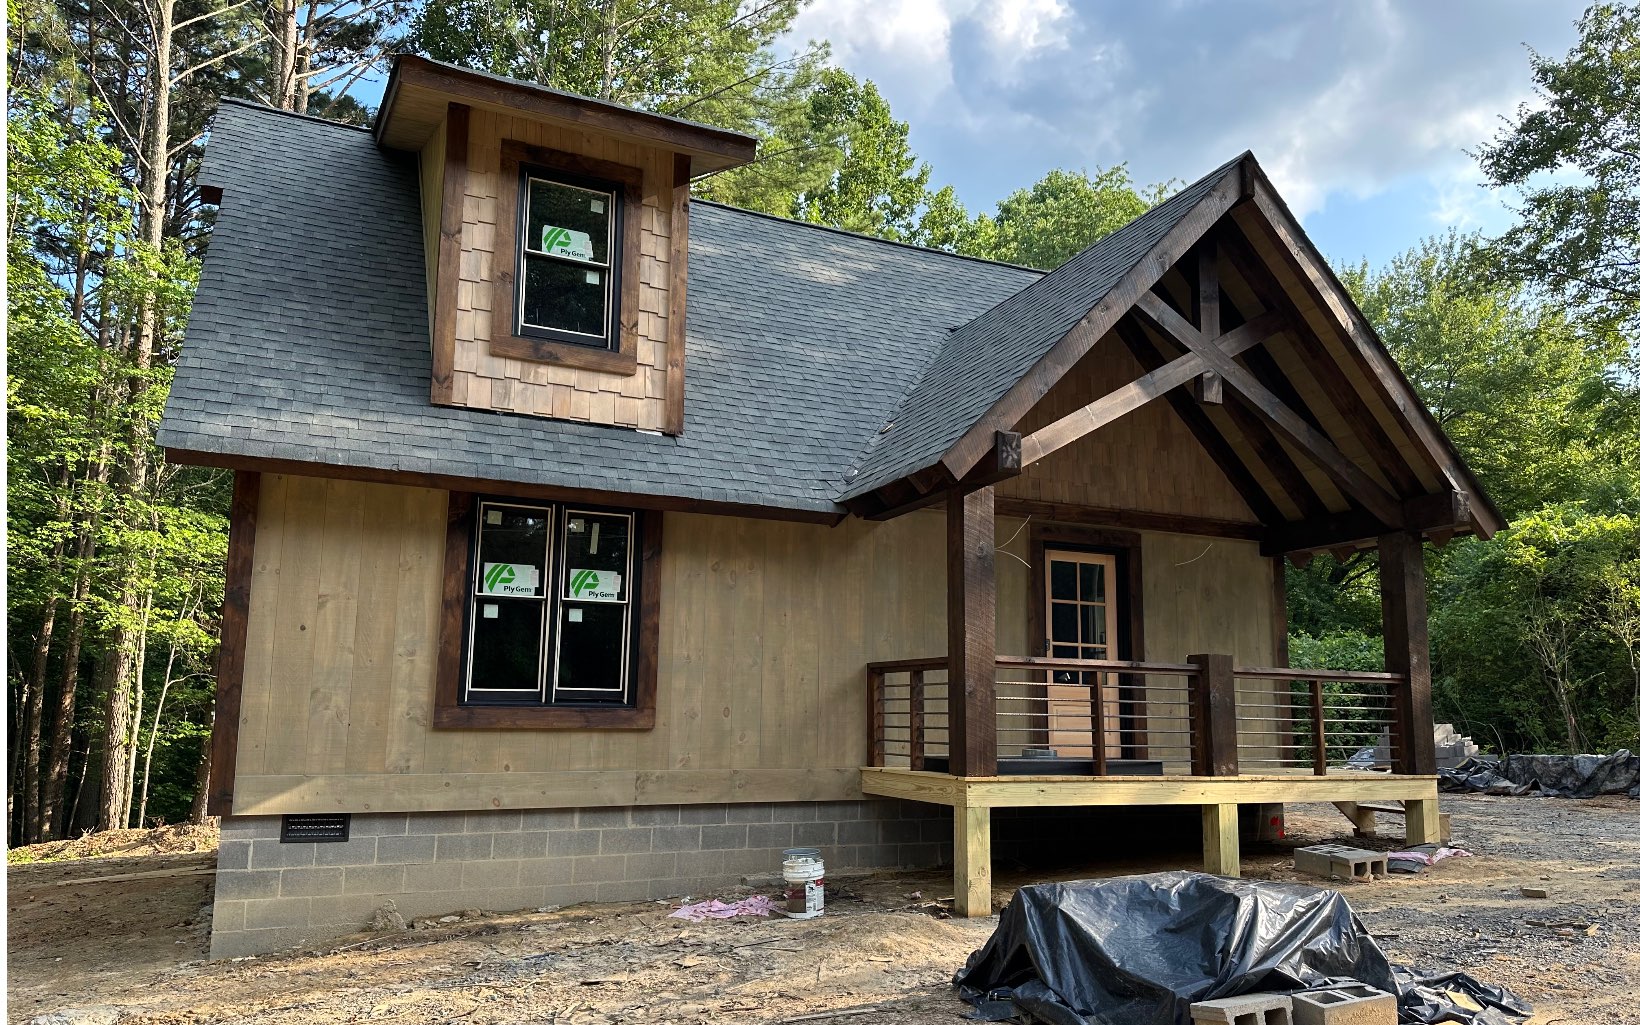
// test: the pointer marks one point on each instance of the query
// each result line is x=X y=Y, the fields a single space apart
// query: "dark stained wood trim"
x=1350 y=478
x=1438 y=514
x=230 y=655
x=971 y=618
x=725 y=148
x=1207 y=435
x=623 y=357
x=1312 y=354
x=1123 y=400
x=452 y=619
x=516 y=489
x=1132 y=519
x=1275 y=458
x=1363 y=344
x=447 y=281
x=930 y=486
x=450 y=713
x=1029 y=389
x=677 y=327
x=1406 y=649
x=1278 y=610
x=1214 y=693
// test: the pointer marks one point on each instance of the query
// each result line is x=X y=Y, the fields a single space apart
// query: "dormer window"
x=568 y=283
x=567 y=246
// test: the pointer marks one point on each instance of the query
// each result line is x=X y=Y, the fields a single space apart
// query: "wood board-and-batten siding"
x=481 y=380
x=766 y=628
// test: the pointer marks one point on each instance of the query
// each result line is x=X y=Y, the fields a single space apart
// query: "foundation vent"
x=314 y=828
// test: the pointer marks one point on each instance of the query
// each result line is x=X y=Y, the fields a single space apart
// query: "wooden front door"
x=1082 y=616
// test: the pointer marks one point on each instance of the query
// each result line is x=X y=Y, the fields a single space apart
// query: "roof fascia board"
x=715 y=149
x=1340 y=308
x=1006 y=413
x=518 y=489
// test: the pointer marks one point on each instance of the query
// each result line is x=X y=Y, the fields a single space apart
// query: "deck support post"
x=971 y=628
x=1221 y=839
x=1214 y=692
x=972 y=858
x=1406 y=650
x=1423 y=822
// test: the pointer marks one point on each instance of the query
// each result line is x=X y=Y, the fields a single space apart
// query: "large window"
x=567 y=278
x=568 y=243
x=555 y=615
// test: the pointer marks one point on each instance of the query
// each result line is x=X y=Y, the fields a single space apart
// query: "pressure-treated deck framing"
x=1219 y=797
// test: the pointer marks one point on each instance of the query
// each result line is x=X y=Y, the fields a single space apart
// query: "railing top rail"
x=906 y=665
x=1273 y=673
x=1034 y=662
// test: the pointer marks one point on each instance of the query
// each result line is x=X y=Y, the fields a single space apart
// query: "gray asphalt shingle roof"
x=309 y=338
x=979 y=363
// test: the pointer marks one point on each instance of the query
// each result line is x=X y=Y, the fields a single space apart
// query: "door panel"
x=1082 y=611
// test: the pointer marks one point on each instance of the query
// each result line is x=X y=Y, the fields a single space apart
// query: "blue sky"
x=1360 y=110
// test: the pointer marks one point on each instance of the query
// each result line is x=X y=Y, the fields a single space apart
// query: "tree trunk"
x=202 y=780
x=119 y=742
x=36 y=698
x=53 y=824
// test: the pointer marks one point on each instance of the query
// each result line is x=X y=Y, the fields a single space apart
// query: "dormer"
x=556 y=233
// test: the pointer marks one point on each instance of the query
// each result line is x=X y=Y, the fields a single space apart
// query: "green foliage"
x=1574 y=158
x=1534 y=633
x=878 y=185
x=1523 y=388
x=1345 y=650
x=1058 y=217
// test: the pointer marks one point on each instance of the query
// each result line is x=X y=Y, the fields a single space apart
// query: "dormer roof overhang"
x=420 y=90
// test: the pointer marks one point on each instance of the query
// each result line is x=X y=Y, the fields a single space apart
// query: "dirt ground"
x=123 y=939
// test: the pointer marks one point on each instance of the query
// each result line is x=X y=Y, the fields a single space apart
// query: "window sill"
x=512 y=717
x=567 y=354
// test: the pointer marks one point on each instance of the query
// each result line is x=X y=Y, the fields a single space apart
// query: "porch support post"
x=971 y=854
x=1214 y=698
x=971 y=623
x=1221 y=839
x=1406 y=650
x=1423 y=822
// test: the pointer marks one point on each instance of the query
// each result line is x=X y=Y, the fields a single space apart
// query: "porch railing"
x=1317 y=719
x=1101 y=717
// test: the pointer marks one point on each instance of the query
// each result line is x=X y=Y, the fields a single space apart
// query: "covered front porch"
x=1284 y=428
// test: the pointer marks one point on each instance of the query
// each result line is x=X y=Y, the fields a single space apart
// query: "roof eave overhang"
x=709 y=149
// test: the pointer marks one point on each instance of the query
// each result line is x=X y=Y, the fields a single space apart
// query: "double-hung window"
x=568 y=275
x=549 y=620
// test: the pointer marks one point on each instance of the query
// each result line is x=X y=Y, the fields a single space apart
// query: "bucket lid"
x=801 y=854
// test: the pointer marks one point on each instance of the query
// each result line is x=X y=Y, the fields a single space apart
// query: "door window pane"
x=1064 y=621
x=1063 y=577
x=1093 y=582
x=1093 y=624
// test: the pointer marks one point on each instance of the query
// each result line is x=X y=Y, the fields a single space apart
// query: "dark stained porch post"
x=1406 y=649
x=971 y=623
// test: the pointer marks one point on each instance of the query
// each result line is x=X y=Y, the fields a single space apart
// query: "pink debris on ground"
x=714 y=908
x=1430 y=859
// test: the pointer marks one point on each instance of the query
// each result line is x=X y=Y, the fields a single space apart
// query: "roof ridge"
x=869 y=238
x=259 y=106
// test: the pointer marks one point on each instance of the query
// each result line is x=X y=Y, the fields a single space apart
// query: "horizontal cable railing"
x=1096 y=716
x=1316 y=719
x=908 y=712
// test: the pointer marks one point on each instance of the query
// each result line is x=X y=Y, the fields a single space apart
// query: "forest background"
x=1525 y=346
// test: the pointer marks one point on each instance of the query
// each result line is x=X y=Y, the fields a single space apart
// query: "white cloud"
x=1337 y=100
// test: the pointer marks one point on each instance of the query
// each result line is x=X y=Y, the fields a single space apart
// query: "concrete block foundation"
x=272 y=895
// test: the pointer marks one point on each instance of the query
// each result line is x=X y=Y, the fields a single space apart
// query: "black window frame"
x=553 y=607
x=610 y=341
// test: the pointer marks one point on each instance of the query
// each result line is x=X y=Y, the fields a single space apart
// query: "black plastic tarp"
x=1548 y=775
x=1139 y=950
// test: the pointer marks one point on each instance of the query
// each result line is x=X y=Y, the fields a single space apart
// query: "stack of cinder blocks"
x=1337 y=1005
x=1330 y=860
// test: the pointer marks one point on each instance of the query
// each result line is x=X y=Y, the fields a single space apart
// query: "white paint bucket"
x=805 y=875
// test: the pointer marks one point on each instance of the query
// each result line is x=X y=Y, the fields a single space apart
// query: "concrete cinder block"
x=405 y=850
x=627 y=840
x=722 y=838
x=1329 y=860
x=1253 y=1009
x=1344 y=1005
x=310 y=882
x=373 y=879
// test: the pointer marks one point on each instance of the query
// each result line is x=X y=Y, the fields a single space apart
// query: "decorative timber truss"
x=1238 y=324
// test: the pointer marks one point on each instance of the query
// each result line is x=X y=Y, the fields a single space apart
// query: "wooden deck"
x=1219 y=797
